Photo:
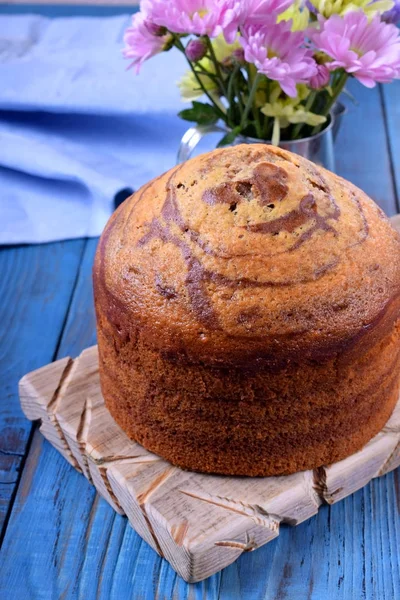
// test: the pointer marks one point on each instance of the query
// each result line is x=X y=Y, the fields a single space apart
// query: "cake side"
x=243 y=421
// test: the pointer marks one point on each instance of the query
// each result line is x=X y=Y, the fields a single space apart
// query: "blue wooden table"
x=59 y=540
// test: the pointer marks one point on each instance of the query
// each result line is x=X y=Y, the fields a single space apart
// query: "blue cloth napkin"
x=75 y=126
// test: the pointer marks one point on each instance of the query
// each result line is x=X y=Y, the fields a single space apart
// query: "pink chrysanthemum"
x=279 y=53
x=368 y=50
x=140 y=41
x=243 y=13
x=200 y=17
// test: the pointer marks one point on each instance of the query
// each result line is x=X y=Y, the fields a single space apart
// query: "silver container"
x=318 y=148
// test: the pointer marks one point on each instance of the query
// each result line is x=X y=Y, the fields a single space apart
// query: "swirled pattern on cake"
x=248 y=314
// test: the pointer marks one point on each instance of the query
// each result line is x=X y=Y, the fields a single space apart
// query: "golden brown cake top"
x=249 y=253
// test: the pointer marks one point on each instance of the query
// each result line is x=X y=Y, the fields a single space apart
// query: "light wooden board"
x=199 y=523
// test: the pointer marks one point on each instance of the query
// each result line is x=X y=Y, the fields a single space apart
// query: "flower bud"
x=196 y=49
x=156 y=30
x=238 y=55
x=321 y=78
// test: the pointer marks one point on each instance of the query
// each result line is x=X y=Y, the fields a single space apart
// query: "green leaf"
x=203 y=114
x=229 y=137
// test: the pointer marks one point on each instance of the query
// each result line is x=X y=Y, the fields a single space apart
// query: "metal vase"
x=318 y=148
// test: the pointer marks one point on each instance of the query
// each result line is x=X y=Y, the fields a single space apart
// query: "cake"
x=247 y=309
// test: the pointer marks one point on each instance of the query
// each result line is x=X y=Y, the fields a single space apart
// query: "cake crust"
x=248 y=314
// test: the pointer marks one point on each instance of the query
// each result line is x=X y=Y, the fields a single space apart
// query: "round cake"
x=248 y=314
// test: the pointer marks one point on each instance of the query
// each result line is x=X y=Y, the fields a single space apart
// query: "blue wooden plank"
x=390 y=95
x=38 y=554
x=9 y=472
x=362 y=154
x=48 y=493
x=35 y=289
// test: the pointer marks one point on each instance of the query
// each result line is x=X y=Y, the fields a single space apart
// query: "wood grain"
x=199 y=523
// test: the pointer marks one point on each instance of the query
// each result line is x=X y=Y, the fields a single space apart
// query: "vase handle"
x=192 y=137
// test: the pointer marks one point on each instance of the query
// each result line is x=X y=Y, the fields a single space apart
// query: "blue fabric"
x=75 y=126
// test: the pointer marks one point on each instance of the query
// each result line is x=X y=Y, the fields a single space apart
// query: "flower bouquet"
x=269 y=69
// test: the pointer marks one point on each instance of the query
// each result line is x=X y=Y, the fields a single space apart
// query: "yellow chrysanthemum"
x=341 y=7
x=298 y=14
x=189 y=86
x=222 y=49
x=285 y=110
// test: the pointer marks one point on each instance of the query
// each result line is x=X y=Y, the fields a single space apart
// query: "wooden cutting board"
x=199 y=523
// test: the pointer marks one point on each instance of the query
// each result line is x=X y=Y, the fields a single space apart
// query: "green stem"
x=251 y=73
x=240 y=104
x=256 y=112
x=276 y=132
x=249 y=102
x=181 y=47
x=216 y=65
x=230 y=94
x=257 y=122
x=239 y=94
x=308 y=106
x=266 y=122
x=339 y=89
x=205 y=72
